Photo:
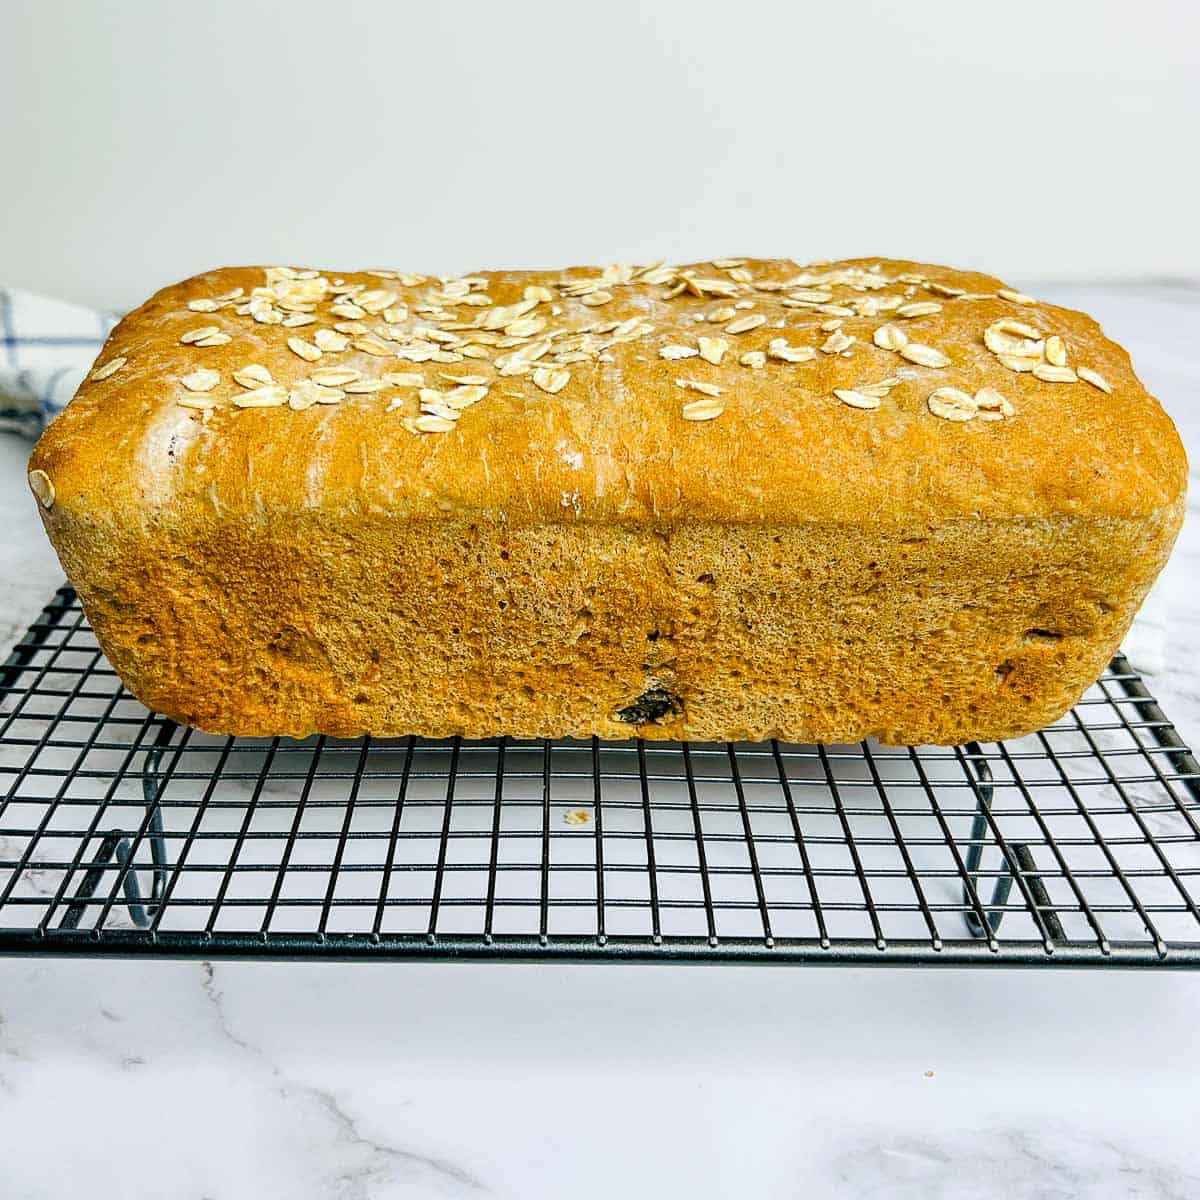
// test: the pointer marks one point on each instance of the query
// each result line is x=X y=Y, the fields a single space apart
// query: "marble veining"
x=1050 y=1162
x=376 y=1162
x=364 y=1081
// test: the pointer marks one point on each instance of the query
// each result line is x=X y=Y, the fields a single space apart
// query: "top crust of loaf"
x=554 y=424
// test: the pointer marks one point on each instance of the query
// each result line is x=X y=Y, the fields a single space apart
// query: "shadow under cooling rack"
x=122 y=833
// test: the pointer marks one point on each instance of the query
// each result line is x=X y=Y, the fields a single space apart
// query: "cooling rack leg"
x=91 y=881
x=116 y=845
x=979 y=831
x=153 y=783
x=980 y=827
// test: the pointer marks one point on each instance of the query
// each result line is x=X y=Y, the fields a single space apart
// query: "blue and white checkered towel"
x=46 y=348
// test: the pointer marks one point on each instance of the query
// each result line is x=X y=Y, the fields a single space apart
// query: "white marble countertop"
x=376 y=1080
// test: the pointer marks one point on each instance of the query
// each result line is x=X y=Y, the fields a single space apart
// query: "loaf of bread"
x=737 y=499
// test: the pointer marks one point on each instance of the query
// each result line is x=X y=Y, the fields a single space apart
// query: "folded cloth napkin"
x=46 y=348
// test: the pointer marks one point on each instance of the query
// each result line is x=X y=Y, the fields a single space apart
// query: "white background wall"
x=147 y=139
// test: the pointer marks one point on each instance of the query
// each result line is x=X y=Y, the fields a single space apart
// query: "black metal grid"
x=122 y=833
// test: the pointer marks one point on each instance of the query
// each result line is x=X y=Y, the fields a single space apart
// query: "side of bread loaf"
x=742 y=499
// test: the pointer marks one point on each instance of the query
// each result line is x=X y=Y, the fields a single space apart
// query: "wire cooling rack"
x=123 y=833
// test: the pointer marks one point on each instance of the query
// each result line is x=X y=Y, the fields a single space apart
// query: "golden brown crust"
x=611 y=446
x=191 y=528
